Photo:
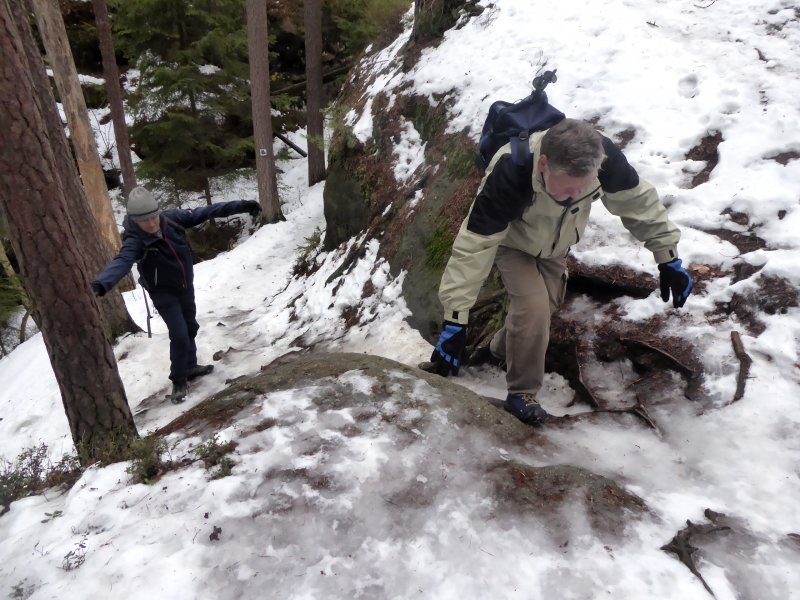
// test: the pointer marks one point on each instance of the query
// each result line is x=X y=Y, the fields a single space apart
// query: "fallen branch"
x=291 y=145
x=744 y=366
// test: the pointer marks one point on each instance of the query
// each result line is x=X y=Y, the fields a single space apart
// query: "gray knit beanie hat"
x=142 y=204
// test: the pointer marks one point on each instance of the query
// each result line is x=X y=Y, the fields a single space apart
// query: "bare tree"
x=54 y=37
x=111 y=73
x=314 y=92
x=262 y=111
x=32 y=200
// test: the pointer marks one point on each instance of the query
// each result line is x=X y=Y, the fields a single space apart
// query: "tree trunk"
x=54 y=37
x=23 y=326
x=95 y=248
x=111 y=73
x=51 y=260
x=262 y=112
x=314 y=93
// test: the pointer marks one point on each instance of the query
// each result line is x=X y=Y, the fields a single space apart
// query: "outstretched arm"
x=637 y=204
x=131 y=251
x=195 y=216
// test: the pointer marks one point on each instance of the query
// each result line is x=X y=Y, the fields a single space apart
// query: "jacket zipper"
x=177 y=258
x=564 y=214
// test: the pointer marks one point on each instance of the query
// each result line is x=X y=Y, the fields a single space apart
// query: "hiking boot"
x=198 y=371
x=526 y=409
x=179 y=391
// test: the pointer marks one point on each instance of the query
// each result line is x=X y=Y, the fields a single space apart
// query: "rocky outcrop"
x=431 y=424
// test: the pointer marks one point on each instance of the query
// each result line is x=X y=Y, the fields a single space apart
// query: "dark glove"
x=449 y=349
x=675 y=278
x=98 y=289
x=252 y=207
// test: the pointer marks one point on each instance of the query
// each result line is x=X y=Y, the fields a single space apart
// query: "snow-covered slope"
x=673 y=72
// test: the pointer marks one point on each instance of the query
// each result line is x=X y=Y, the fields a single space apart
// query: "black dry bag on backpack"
x=514 y=121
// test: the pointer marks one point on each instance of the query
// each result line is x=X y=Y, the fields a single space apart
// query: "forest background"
x=191 y=128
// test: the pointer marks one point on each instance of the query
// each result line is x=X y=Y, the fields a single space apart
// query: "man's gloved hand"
x=449 y=349
x=674 y=278
x=252 y=207
x=98 y=289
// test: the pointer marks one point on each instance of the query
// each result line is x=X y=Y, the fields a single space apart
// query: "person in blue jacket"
x=156 y=241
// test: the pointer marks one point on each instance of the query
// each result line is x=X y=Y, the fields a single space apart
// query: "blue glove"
x=449 y=349
x=98 y=289
x=674 y=278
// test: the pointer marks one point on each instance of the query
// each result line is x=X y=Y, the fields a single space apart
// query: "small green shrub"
x=429 y=121
x=146 y=456
x=22 y=591
x=434 y=17
x=32 y=472
x=75 y=557
x=344 y=140
x=307 y=253
x=215 y=457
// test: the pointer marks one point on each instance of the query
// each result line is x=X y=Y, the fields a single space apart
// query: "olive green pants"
x=536 y=288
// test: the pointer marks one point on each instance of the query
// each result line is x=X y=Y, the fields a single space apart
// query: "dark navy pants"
x=179 y=313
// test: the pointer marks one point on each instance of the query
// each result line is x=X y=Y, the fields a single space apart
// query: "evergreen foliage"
x=361 y=21
x=9 y=299
x=192 y=103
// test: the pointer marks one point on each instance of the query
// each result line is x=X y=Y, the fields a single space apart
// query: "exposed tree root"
x=637 y=410
x=636 y=346
x=681 y=546
x=744 y=366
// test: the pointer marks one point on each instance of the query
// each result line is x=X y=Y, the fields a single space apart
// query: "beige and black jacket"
x=513 y=209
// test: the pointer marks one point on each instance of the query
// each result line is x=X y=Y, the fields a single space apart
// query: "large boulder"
x=430 y=441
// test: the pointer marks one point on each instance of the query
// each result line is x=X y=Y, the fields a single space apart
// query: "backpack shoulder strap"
x=520 y=149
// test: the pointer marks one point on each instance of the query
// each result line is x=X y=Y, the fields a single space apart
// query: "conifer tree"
x=192 y=104
x=34 y=158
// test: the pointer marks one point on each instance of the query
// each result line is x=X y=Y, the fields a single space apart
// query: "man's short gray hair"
x=573 y=147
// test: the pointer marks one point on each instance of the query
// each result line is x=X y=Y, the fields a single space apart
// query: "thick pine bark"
x=111 y=74
x=96 y=251
x=314 y=93
x=32 y=199
x=54 y=37
x=262 y=112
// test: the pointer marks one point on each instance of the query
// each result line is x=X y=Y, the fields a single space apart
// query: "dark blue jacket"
x=165 y=262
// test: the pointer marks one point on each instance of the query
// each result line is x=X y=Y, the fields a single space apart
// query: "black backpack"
x=514 y=121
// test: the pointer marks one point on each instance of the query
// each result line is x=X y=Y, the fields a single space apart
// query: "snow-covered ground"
x=673 y=72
